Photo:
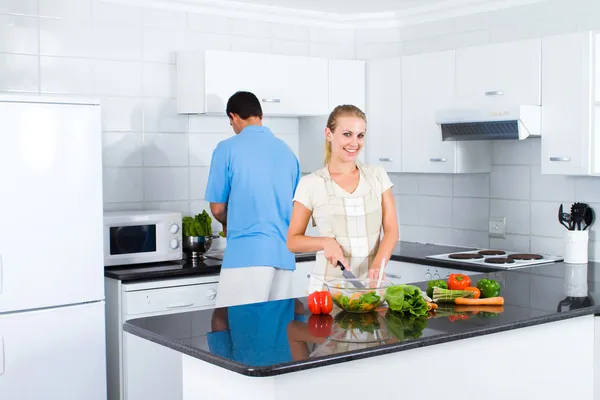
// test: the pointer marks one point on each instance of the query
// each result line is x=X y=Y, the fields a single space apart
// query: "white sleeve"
x=304 y=192
x=384 y=179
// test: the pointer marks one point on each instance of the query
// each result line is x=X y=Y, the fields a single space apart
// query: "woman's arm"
x=390 y=233
x=298 y=242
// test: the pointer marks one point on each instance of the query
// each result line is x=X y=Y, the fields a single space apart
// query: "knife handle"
x=339 y=263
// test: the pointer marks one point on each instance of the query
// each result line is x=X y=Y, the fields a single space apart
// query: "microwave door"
x=132 y=239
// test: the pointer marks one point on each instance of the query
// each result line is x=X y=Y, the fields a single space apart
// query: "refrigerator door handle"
x=1 y=356
x=0 y=273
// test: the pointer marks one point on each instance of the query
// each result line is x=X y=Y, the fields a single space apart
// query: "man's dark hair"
x=244 y=104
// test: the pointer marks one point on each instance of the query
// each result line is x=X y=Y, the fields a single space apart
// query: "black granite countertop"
x=280 y=337
x=164 y=270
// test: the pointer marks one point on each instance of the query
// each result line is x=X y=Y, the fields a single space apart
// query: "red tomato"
x=320 y=302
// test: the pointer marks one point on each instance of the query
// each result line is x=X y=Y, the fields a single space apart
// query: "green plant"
x=199 y=225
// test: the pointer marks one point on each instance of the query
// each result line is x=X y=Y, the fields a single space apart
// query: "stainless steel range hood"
x=502 y=123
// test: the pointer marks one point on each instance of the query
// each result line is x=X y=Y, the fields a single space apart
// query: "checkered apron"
x=355 y=222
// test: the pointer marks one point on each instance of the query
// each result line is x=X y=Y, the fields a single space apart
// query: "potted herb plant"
x=197 y=234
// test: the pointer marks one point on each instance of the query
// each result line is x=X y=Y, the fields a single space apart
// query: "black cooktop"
x=163 y=270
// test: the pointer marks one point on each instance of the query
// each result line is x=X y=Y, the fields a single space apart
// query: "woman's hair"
x=345 y=110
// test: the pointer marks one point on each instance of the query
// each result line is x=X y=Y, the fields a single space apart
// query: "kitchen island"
x=541 y=345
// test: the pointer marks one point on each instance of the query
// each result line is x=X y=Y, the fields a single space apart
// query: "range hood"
x=502 y=123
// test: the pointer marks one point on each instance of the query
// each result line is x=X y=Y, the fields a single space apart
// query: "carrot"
x=476 y=309
x=431 y=306
x=490 y=301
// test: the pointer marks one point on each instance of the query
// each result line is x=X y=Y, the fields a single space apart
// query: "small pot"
x=196 y=246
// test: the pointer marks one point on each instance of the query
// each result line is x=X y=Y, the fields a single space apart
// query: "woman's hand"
x=333 y=252
x=374 y=270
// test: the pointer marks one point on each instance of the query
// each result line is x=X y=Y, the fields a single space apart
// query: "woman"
x=349 y=202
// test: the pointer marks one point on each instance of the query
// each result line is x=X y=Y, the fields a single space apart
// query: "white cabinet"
x=301 y=278
x=347 y=83
x=383 y=142
x=569 y=144
x=499 y=74
x=428 y=86
x=285 y=85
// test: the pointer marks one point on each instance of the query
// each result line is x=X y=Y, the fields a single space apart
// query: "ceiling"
x=346 y=7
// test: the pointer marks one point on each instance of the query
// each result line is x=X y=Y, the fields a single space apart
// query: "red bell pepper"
x=320 y=302
x=458 y=281
x=320 y=325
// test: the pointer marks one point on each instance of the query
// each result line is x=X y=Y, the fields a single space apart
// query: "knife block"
x=576 y=247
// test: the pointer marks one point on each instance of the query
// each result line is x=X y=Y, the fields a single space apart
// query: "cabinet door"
x=301 y=277
x=285 y=85
x=347 y=83
x=567 y=117
x=499 y=74
x=427 y=86
x=384 y=106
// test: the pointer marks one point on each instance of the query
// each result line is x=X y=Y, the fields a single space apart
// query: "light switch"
x=497 y=227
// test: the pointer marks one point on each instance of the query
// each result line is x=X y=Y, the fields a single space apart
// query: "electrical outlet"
x=497 y=227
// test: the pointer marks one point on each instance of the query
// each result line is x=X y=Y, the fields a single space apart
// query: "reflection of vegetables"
x=489 y=288
x=200 y=225
x=485 y=314
x=406 y=299
x=320 y=325
x=458 y=317
x=458 y=281
x=364 y=302
x=490 y=301
x=320 y=302
x=476 y=292
x=480 y=309
x=405 y=326
x=445 y=295
x=365 y=322
x=435 y=283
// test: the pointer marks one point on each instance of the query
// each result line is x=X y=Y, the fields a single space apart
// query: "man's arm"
x=219 y=211
x=218 y=187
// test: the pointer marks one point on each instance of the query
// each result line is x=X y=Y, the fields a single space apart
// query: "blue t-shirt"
x=256 y=174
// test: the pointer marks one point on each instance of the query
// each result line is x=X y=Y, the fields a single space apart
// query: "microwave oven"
x=136 y=237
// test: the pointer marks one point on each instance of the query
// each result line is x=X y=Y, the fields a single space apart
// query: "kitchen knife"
x=350 y=276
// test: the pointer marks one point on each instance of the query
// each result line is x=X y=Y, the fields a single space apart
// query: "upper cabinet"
x=499 y=74
x=570 y=102
x=285 y=85
x=383 y=142
x=347 y=83
x=428 y=85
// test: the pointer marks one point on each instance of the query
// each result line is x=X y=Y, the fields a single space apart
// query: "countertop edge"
x=354 y=355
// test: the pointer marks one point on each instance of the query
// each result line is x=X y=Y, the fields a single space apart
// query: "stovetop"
x=164 y=270
x=497 y=259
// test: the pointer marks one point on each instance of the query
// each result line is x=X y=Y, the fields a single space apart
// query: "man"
x=253 y=177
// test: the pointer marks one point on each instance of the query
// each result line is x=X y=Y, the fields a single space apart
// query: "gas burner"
x=499 y=260
x=525 y=256
x=492 y=252
x=465 y=256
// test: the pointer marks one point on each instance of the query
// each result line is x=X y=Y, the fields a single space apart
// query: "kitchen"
x=153 y=157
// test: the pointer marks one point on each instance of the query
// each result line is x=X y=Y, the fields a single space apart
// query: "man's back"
x=262 y=173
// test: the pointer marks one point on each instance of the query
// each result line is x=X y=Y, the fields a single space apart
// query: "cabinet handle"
x=211 y=294
x=180 y=305
x=437 y=159
x=1 y=355
x=271 y=100
x=565 y=159
x=392 y=276
x=385 y=159
x=495 y=93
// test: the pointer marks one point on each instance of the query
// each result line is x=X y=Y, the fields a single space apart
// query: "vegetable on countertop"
x=199 y=225
x=406 y=299
x=364 y=302
x=476 y=292
x=489 y=288
x=458 y=281
x=320 y=325
x=489 y=301
x=436 y=283
x=448 y=296
x=320 y=302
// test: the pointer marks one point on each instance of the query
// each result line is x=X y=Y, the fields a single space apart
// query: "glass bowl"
x=351 y=327
x=357 y=300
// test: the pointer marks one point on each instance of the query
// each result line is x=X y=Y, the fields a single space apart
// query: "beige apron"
x=355 y=222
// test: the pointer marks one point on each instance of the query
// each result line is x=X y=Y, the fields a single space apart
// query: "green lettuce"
x=405 y=326
x=406 y=299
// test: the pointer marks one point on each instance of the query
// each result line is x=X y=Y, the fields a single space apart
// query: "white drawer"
x=170 y=299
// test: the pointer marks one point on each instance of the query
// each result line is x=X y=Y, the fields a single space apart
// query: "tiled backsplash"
x=154 y=158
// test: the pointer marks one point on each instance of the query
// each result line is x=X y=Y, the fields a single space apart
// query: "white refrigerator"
x=52 y=338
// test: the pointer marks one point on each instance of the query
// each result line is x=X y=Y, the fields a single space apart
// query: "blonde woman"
x=348 y=202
